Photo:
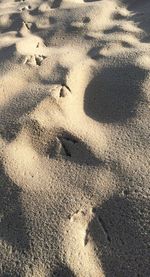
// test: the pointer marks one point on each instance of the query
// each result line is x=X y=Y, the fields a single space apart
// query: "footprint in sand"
x=25 y=8
x=64 y=145
x=35 y=60
x=80 y=248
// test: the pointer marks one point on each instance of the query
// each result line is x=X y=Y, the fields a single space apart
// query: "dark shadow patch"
x=86 y=19
x=13 y=223
x=46 y=34
x=94 y=53
x=118 y=16
x=35 y=12
x=15 y=25
x=74 y=29
x=115 y=29
x=92 y=0
x=101 y=221
x=140 y=14
x=146 y=39
x=120 y=229
x=132 y=3
x=52 y=20
x=88 y=37
x=63 y=271
x=10 y=114
x=114 y=94
x=56 y=4
x=126 y=44
x=58 y=75
x=7 y=53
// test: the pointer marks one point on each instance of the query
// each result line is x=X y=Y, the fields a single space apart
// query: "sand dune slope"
x=74 y=138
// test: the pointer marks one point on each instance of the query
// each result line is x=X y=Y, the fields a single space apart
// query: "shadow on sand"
x=123 y=236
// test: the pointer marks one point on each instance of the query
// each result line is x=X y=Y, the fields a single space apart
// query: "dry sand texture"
x=74 y=143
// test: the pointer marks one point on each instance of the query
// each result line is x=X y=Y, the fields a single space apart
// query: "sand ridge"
x=74 y=138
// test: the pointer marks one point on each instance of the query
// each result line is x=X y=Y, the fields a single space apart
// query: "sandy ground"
x=74 y=138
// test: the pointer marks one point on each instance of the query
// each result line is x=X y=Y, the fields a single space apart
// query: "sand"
x=74 y=138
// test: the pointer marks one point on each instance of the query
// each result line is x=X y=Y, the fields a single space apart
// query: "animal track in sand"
x=39 y=59
x=34 y=60
x=64 y=90
x=94 y=53
x=60 y=91
x=25 y=8
x=79 y=242
x=103 y=225
x=67 y=143
x=83 y=218
x=89 y=220
x=63 y=145
x=25 y=29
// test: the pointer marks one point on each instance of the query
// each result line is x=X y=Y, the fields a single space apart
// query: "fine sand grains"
x=74 y=138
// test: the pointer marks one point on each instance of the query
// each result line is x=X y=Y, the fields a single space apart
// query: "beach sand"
x=74 y=138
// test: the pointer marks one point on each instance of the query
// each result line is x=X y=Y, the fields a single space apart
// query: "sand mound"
x=74 y=137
